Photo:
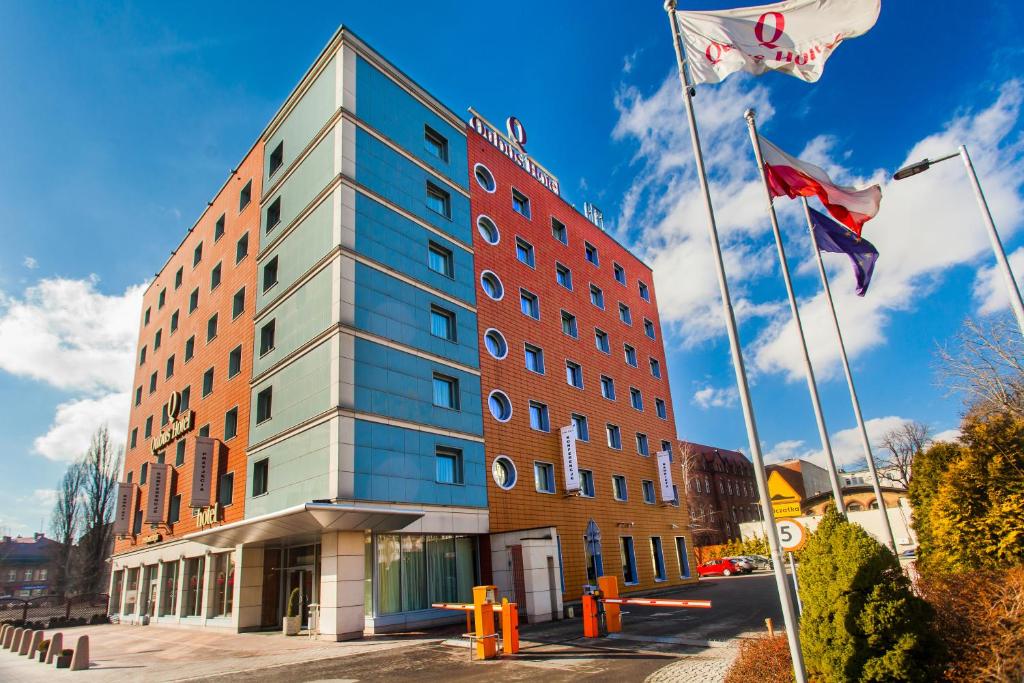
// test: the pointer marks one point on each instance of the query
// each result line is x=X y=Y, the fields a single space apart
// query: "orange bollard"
x=609 y=587
x=509 y=627
x=483 y=613
x=590 y=624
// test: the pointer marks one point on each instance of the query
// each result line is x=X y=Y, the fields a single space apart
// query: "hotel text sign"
x=512 y=149
x=178 y=427
x=668 y=494
x=569 y=460
x=202 y=473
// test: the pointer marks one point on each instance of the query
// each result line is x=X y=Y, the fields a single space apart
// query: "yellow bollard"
x=609 y=587
x=483 y=615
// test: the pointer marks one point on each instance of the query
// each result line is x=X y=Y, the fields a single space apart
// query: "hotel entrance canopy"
x=306 y=519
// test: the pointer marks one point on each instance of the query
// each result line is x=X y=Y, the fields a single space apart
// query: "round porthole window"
x=484 y=178
x=492 y=285
x=504 y=472
x=495 y=343
x=488 y=230
x=500 y=406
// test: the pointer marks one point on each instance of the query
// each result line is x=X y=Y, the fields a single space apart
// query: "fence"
x=51 y=611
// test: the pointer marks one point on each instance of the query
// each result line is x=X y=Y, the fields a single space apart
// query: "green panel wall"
x=303 y=315
x=301 y=390
x=307 y=181
x=297 y=472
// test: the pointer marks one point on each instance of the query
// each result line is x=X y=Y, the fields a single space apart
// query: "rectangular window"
x=197 y=255
x=269 y=274
x=544 y=477
x=226 y=489
x=138 y=395
x=601 y=341
x=186 y=398
x=438 y=200
x=242 y=248
x=163 y=416
x=146 y=316
x=590 y=251
x=215 y=277
x=660 y=409
x=587 y=483
x=152 y=383
x=193 y=300
x=659 y=558
x=170 y=367
x=624 y=314
x=204 y=430
x=234 y=361
x=276 y=159
x=614 y=437
x=442 y=323
x=190 y=348
x=260 y=472
x=135 y=438
x=231 y=424
x=149 y=427
x=628 y=559
x=574 y=374
x=440 y=260
x=435 y=143
x=539 y=417
x=174 y=322
x=218 y=228
x=173 y=515
x=597 y=296
x=675 y=495
x=620 y=273
x=649 y=328
x=619 y=491
x=684 y=558
x=157 y=339
x=211 y=328
x=630 y=354
x=142 y=356
x=245 y=196
x=207 y=382
x=524 y=252
x=534 y=359
x=582 y=427
x=143 y=473
x=238 y=303
x=448 y=465
x=162 y=299
x=608 y=387
x=636 y=398
x=642 y=445
x=655 y=368
x=267 y=337
x=179 y=275
x=645 y=293
x=569 y=326
x=563 y=276
x=179 y=455
x=647 y=486
x=520 y=203
x=264 y=404
x=529 y=304
x=446 y=392
x=273 y=214
x=558 y=231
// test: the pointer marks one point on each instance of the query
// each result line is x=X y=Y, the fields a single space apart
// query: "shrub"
x=980 y=617
x=762 y=660
x=293 y=603
x=861 y=621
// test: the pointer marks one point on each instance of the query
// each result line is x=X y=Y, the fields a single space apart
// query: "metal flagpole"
x=812 y=386
x=997 y=246
x=781 y=581
x=865 y=442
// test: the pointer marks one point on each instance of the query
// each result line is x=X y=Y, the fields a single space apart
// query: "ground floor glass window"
x=170 y=589
x=415 y=570
x=131 y=592
x=115 y=592
x=193 y=586
x=223 y=584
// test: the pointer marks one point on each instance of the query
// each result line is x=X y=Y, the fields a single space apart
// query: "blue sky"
x=122 y=120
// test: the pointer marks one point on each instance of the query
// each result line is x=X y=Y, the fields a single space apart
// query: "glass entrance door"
x=301 y=578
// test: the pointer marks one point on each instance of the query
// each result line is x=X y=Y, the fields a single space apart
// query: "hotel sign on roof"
x=512 y=146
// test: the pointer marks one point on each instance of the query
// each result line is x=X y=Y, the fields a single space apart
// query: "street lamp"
x=997 y=246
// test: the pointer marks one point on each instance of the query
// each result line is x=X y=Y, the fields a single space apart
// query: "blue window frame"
x=659 y=559
x=582 y=427
x=524 y=252
x=587 y=483
x=539 y=417
x=534 y=359
x=648 y=489
x=442 y=323
x=520 y=203
x=684 y=560
x=529 y=304
x=440 y=260
x=628 y=558
x=449 y=465
x=446 y=392
x=544 y=477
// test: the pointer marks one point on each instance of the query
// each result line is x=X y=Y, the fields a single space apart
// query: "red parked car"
x=718 y=567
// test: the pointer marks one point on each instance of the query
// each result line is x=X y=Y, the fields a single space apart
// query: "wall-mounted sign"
x=569 y=461
x=668 y=494
x=152 y=538
x=123 y=512
x=593 y=214
x=207 y=516
x=156 y=498
x=512 y=147
x=178 y=427
x=202 y=473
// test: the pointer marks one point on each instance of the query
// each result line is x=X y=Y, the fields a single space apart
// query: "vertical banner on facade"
x=125 y=504
x=569 y=461
x=202 y=472
x=156 y=499
x=668 y=494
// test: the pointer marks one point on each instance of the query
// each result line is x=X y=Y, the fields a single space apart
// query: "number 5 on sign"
x=792 y=534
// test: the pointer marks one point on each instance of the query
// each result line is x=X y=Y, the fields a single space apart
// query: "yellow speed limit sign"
x=792 y=534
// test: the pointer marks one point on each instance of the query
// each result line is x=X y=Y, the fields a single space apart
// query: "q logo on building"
x=516 y=132
x=174 y=404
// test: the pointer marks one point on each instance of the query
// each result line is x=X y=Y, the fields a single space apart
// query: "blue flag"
x=838 y=239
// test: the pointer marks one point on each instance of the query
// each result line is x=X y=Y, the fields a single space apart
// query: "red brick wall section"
x=227 y=392
x=523 y=507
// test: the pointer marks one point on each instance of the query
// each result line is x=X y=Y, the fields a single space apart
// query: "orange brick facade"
x=523 y=507
x=232 y=332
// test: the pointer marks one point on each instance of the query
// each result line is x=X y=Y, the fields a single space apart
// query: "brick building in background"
x=27 y=568
x=721 y=490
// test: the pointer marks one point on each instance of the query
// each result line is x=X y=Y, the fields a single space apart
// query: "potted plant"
x=292 y=619
x=41 y=650
x=64 y=659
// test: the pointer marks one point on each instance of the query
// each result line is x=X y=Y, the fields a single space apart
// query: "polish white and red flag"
x=790 y=177
x=794 y=37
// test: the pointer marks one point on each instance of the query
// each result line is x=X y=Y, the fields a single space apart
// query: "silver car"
x=745 y=565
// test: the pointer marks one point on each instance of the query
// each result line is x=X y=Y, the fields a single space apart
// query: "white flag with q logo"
x=794 y=37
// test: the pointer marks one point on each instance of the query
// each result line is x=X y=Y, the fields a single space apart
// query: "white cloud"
x=785 y=450
x=990 y=293
x=947 y=435
x=44 y=499
x=76 y=421
x=30 y=263
x=715 y=397
x=70 y=335
x=629 y=61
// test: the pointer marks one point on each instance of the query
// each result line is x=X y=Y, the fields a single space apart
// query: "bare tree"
x=985 y=363
x=66 y=524
x=100 y=465
x=903 y=444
